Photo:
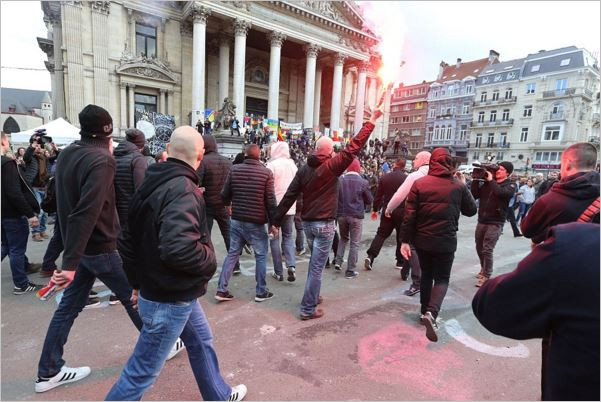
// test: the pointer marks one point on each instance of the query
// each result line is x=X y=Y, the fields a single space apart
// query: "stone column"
x=273 y=105
x=224 y=67
x=311 y=51
x=74 y=43
x=163 y=108
x=123 y=106
x=360 y=100
x=132 y=106
x=170 y=96
x=132 y=32
x=100 y=49
x=241 y=28
x=317 y=97
x=58 y=92
x=336 y=92
x=199 y=16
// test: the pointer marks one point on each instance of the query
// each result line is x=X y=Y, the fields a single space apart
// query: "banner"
x=291 y=126
x=273 y=124
x=210 y=115
x=157 y=129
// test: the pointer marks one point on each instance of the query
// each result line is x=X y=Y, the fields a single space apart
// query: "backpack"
x=49 y=202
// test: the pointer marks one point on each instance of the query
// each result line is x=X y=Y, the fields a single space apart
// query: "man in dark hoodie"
x=19 y=211
x=168 y=256
x=130 y=170
x=494 y=194
x=431 y=222
x=212 y=174
x=88 y=221
x=317 y=181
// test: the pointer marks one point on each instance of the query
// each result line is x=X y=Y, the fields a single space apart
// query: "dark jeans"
x=524 y=208
x=416 y=270
x=511 y=219
x=436 y=269
x=487 y=236
x=109 y=269
x=223 y=220
x=350 y=229
x=387 y=225
x=15 y=232
x=54 y=250
x=300 y=232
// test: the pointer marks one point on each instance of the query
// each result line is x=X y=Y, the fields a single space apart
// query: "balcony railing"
x=560 y=93
x=500 y=101
x=497 y=123
x=556 y=116
x=488 y=145
x=455 y=143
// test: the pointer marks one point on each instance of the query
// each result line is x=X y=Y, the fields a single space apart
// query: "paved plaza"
x=368 y=346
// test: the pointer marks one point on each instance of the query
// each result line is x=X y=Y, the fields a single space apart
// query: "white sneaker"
x=65 y=376
x=178 y=347
x=238 y=393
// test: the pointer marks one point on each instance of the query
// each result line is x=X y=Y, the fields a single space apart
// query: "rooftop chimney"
x=492 y=54
x=458 y=63
x=441 y=69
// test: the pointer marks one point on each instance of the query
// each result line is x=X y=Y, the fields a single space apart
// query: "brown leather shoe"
x=44 y=235
x=317 y=314
x=36 y=237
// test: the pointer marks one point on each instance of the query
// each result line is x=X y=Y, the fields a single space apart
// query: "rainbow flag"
x=280 y=135
x=273 y=124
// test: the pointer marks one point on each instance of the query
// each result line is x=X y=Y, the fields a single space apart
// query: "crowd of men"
x=145 y=231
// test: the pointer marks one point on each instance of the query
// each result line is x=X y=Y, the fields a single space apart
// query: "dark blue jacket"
x=554 y=293
x=353 y=194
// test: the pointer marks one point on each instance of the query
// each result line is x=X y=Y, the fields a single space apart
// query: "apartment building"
x=408 y=110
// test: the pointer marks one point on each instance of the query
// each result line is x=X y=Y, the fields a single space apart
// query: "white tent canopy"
x=61 y=131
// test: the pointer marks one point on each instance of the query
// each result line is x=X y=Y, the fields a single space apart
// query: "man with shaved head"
x=169 y=258
x=317 y=181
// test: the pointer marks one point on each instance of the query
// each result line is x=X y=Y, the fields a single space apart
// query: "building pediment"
x=144 y=67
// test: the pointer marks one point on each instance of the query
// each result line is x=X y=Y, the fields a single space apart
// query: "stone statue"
x=226 y=114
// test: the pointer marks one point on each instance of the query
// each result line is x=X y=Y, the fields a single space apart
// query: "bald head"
x=324 y=146
x=186 y=145
x=579 y=157
x=421 y=159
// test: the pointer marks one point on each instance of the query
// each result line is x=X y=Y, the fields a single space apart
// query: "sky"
x=419 y=33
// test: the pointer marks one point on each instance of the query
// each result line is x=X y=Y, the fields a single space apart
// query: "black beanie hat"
x=95 y=122
x=136 y=137
x=508 y=166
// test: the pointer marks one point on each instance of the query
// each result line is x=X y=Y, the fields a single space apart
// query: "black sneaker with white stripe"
x=238 y=393
x=29 y=287
x=65 y=376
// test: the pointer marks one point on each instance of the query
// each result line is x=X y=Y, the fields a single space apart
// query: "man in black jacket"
x=388 y=185
x=36 y=175
x=553 y=292
x=168 y=256
x=131 y=166
x=431 y=222
x=317 y=181
x=494 y=194
x=250 y=191
x=212 y=173
x=89 y=226
x=19 y=211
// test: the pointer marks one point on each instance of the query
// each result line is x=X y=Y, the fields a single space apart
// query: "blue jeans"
x=523 y=211
x=288 y=246
x=350 y=228
x=320 y=235
x=109 y=269
x=42 y=216
x=254 y=234
x=163 y=324
x=15 y=232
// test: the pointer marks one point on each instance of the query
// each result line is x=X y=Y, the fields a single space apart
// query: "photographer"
x=494 y=198
x=37 y=175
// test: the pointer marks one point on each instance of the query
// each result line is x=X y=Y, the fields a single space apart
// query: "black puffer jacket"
x=17 y=197
x=494 y=199
x=212 y=173
x=433 y=206
x=166 y=249
x=131 y=167
x=564 y=203
x=318 y=182
x=249 y=189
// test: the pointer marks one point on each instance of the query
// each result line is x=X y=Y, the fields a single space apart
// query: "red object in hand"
x=48 y=291
x=374 y=216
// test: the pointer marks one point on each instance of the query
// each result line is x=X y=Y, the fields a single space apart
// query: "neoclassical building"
x=306 y=62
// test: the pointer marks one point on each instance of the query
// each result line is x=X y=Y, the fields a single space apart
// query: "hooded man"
x=431 y=222
x=284 y=169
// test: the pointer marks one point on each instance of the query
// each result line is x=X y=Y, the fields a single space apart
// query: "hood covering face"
x=280 y=150
x=441 y=163
x=210 y=143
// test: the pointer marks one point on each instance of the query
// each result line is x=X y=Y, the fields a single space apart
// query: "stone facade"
x=306 y=61
x=408 y=113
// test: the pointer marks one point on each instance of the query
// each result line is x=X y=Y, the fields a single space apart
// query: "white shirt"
x=403 y=191
x=528 y=194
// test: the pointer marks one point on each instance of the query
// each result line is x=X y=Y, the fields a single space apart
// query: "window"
x=406 y=107
x=535 y=68
x=469 y=88
x=481 y=117
x=483 y=97
x=145 y=103
x=557 y=111
x=552 y=133
x=417 y=118
x=493 y=115
x=419 y=105
x=547 y=157
x=499 y=156
x=453 y=110
x=476 y=156
x=561 y=85
x=442 y=92
x=508 y=93
x=538 y=156
x=416 y=132
x=431 y=112
x=495 y=95
x=405 y=119
x=524 y=134
x=430 y=132
x=503 y=139
x=479 y=140
x=436 y=94
x=406 y=94
x=456 y=90
x=565 y=62
x=528 y=111
x=463 y=133
x=491 y=140
x=466 y=108
x=530 y=88
x=505 y=114
x=146 y=40
x=449 y=132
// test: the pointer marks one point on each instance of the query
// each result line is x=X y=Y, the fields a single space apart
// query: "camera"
x=480 y=169
x=40 y=137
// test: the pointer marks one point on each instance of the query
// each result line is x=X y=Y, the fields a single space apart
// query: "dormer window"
x=565 y=62
x=535 y=68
